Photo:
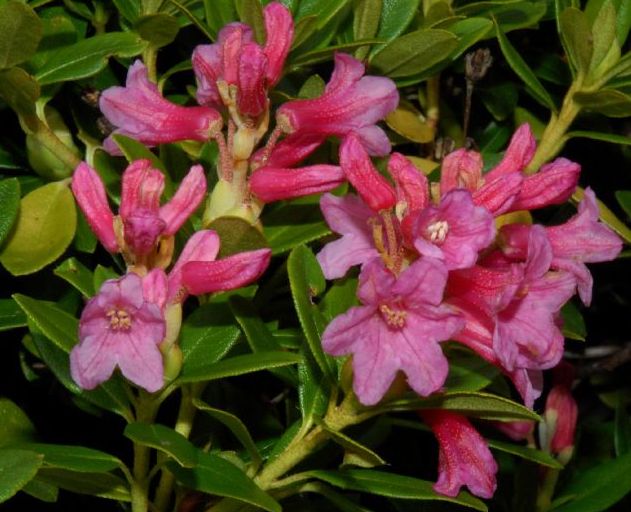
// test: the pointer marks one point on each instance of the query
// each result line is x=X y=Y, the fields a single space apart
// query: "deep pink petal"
x=376 y=283
x=226 y=274
x=553 y=184
x=279 y=27
x=411 y=184
x=208 y=68
x=89 y=192
x=251 y=92
x=185 y=201
x=273 y=184
x=289 y=151
x=519 y=153
x=374 y=140
x=461 y=169
x=498 y=195
x=142 y=186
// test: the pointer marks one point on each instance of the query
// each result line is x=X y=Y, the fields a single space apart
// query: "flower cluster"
x=436 y=267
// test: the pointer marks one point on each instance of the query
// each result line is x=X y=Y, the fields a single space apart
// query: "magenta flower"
x=398 y=327
x=139 y=111
x=561 y=412
x=455 y=231
x=237 y=60
x=142 y=220
x=519 y=153
x=350 y=102
x=464 y=457
x=121 y=327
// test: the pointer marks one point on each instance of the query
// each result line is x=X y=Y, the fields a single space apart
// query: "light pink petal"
x=93 y=360
x=584 y=279
x=347 y=215
x=423 y=282
x=342 y=333
x=461 y=169
x=226 y=274
x=279 y=27
x=376 y=283
x=126 y=290
x=529 y=384
x=464 y=457
x=539 y=254
x=373 y=188
x=374 y=140
x=338 y=256
x=142 y=186
x=411 y=184
x=202 y=246
x=185 y=201
x=89 y=192
x=208 y=68
x=154 y=287
x=140 y=361
x=553 y=184
x=251 y=92
x=273 y=184
x=519 y=153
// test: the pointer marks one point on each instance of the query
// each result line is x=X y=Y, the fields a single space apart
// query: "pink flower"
x=139 y=111
x=398 y=327
x=561 y=411
x=464 y=457
x=515 y=430
x=519 y=153
x=272 y=183
x=582 y=239
x=121 y=327
x=237 y=60
x=350 y=102
x=455 y=231
x=142 y=219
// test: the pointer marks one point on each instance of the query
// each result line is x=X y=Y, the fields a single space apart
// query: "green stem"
x=546 y=490
x=145 y=413
x=150 y=58
x=183 y=425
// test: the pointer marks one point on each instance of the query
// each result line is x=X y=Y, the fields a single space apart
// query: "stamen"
x=393 y=317
x=271 y=142
x=119 y=319
x=437 y=232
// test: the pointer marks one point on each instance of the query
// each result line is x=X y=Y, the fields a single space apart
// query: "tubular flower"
x=464 y=457
x=122 y=327
x=138 y=110
x=398 y=327
x=561 y=413
x=142 y=222
x=237 y=69
x=350 y=102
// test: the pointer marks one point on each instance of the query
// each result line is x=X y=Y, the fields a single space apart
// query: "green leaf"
x=84 y=239
x=510 y=14
x=130 y=9
x=392 y=486
x=622 y=428
x=479 y=405
x=258 y=335
x=239 y=365
x=312 y=391
x=396 y=15
x=17 y=468
x=366 y=16
x=415 y=52
x=468 y=372
x=20 y=91
x=306 y=281
x=15 y=425
x=304 y=29
x=237 y=235
x=500 y=100
x=162 y=438
x=606 y=51
x=11 y=315
x=190 y=15
x=41 y=490
x=104 y=485
x=89 y=56
x=364 y=453
x=519 y=66
x=219 y=13
x=598 y=488
x=609 y=102
x=236 y=426
x=206 y=336
x=251 y=13
x=45 y=226
x=576 y=36
x=21 y=31
x=324 y=54
x=293 y=224
x=57 y=325
x=624 y=200
x=312 y=88
x=326 y=10
x=605 y=137
x=134 y=150
x=102 y=274
x=157 y=29
x=526 y=453
x=215 y=475
x=78 y=275
x=10 y=201
x=469 y=31
x=573 y=323
x=74 y=458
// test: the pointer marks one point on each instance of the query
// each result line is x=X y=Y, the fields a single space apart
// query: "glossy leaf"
x=408 y=122
x=89 y=56
x=15 y=426
x=396 y=15
x=41 y=490
x=605 y=137
x=21 y=31
x=215 y=475
x=576 y=36
x=104 y=485
x=236 y=426
x=239 y=365
x=251 y=13
x=11 y=315
x=624 y=200
x=609 y=102
x=17 y=468
x=526 y=453
x=368 y=457
x=392 y=486
x=158 y=29
x=294 y=224
x=366 y=16
x=44 y=228
x=10 y=201
x=573 y=323
x=237 y=235
x=219 y=13
x=519 y=66
x=414 y=53
x=78 y=275
x=467 y=372
x=164 y=439
x=75 y=458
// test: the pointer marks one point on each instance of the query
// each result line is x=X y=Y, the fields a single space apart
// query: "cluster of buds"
x=447 y=263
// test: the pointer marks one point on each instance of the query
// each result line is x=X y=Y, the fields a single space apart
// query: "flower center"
x=119 y=319
x=437 y=231
x=393 y=317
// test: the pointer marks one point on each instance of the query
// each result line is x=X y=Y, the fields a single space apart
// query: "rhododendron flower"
x=139 y=111
x=142 y=220
x=561 y=413
x=464 y=457
x=272 y=183
x=122 y=327
x=350 y=102
x=237 y=60
x=398 y=327
x=582 y=239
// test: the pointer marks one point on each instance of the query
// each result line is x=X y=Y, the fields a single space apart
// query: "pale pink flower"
x=122 y=327
x=143 y=220
x=350 y=102
x=464 y=457
x=139 y=111
x=398 y=327
x=272 y=183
